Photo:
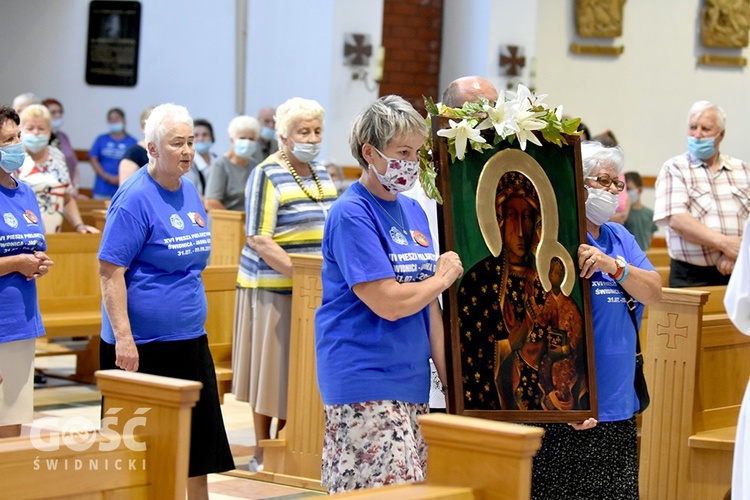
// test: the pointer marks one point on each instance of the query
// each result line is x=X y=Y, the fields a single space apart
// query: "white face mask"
x=600 y=206
x=400 y=175
x=305 y=152
x=245 y=148
x=633 y=195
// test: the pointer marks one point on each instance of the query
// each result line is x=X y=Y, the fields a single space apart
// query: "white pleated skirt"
x=17 y=388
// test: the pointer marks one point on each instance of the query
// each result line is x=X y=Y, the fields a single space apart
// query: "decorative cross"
x=357 y=49
x=672 y=331
x=313 y=293
x=514 y=59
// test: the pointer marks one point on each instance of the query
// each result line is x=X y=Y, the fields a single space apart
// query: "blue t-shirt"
x=614 y=334
x=109 y=151
x=361 y=356
x=21 y=231
x=163 y=240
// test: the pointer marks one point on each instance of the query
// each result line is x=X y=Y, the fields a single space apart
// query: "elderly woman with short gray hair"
x=288 y=198
x=155 y=245
x=379 y=322
x=600 y=459
x=225 y=189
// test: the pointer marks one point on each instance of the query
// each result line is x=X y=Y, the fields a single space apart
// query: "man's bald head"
x=468 y=89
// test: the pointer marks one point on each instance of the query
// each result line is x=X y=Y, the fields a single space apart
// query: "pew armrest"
x=714 y=439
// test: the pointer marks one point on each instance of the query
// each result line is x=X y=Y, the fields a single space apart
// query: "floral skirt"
x=372 y=444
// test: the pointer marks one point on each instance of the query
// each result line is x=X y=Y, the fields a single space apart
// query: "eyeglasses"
x=607 y=181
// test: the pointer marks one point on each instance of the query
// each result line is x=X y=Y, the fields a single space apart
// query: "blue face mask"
x=35 y=143
x=245 y=148
x=56 y=123
x=267 y=133
x=701 y=148
x=12 y=157
x=115 y=128
x=203 y=146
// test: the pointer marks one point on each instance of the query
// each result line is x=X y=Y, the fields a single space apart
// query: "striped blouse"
x=276 y=206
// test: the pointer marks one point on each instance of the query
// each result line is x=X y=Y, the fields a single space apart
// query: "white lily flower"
x=527 y=122
x=461 y=132
x=559 y=113
x=524 y=97
x=498 y=117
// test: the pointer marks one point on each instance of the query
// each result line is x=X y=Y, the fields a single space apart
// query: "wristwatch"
x=622 y=266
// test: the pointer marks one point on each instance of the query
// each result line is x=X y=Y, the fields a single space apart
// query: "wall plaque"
x=113 y=39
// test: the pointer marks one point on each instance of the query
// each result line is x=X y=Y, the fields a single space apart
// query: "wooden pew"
x=658 y=257
x=227 y=236
x=220 y=284
x=157 y=471
x=88 y=209
x=697 y=367
x=70 y=301
x=294 y=457
x=469 y=458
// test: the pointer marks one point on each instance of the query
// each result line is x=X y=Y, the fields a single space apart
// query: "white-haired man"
x=702 y=202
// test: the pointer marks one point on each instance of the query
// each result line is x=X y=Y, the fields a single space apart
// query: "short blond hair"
x=36 y=111
x=386 y=119
x=295 y=110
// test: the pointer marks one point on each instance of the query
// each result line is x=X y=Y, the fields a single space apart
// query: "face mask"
x=203 y=146
x=400 y=175
x=56 y=123
x=245 y=148
x=305 y=152
x=35 y=143
x=600 y=206
x=701 y=148
x=116 y=128
x=633 y=195
x=12 y=157
x=267 y=133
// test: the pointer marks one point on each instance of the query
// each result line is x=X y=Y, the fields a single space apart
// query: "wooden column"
x=295 y=457
x=227 y=236
x=674 y=332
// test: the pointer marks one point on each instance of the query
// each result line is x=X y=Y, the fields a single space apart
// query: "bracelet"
x=624 y=273
x=80 y=224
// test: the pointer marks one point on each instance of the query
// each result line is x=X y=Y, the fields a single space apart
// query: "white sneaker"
x=254 y=466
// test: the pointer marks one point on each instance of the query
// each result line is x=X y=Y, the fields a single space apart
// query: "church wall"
x=474 y=31
x=187 y=56
x=644 y=94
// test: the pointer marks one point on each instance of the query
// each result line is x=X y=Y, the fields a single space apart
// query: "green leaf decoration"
x=521 y=112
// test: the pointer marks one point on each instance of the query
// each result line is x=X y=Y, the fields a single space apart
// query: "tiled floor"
x=63 y=399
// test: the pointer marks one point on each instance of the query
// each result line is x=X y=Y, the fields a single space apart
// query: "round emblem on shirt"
x=199 y=220
x=419 y=238
x=30 y=217
x=397 y=236
x=10 y=219
x=176 y=221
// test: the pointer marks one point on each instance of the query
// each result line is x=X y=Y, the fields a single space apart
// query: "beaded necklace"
x=317 y=198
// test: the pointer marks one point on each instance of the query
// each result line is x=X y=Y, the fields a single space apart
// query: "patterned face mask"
x=400 y=175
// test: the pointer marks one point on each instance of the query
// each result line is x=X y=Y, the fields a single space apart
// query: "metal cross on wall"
x=357 y=49
x=513 y=58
